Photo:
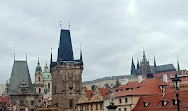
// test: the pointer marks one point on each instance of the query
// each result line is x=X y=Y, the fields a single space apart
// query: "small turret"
x=38 y=68
x=144 y=57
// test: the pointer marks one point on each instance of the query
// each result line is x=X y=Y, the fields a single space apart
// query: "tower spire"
x=178 y=66
x=138 y=65
x=51 y=57
x=144 y=57
x=154 y=61
x=81 y=53
x=133 y=67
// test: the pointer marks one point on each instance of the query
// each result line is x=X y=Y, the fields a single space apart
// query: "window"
x=32 y=102
x=126 y=100
x=164 y=102
x=119 y=100
x=119 y=109
x=39 y=90
x=39 y=101
x=49 y=85
x=39 y=78
x=81 y=108
x=96 y=106
x=146 y=104
x=70 y=103
x=125 y=109
x=21 y=102
x=174 y=101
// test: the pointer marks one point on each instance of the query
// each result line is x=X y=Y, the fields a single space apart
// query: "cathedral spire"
x=144 y=57
x=81 y=60
x=178 y=66
x=154 y=61
x=138 y=65
x=133 y=68
x=51 y=60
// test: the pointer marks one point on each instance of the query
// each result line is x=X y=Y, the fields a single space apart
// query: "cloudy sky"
x=111 y=33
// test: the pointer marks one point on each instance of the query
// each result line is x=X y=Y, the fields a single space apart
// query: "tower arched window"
x=39 y=78
x=39 y=90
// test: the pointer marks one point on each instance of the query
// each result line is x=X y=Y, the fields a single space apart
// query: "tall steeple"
x=155 y=62
x=144 y=57
x=133 y=71
x=178 y=66
x=51 y=60
x=138 y=65
x=81 y=60
x=65 y=52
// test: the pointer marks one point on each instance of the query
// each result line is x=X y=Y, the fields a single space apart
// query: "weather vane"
x=69 y=25
x=61 y=24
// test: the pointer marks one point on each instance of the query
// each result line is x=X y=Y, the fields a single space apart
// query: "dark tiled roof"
x=20 y=72
x=65 y=52
x=163 y=68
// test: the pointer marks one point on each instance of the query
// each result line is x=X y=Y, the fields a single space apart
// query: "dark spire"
x=65 y=52
x=179 y=71
x=154 y=62
x=14 y=56
x=144 y=57
x=81 y=60
x=138 y=65
x=51 y=60
x=132 y=67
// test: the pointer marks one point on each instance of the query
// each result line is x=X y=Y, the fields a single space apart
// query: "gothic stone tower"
x=39 y=86
x=144 y=65
x=66 y=75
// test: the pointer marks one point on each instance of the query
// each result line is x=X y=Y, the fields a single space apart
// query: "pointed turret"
x=81 y=60
x=178 y=67
x=51 y=59
x=133 y=68
x=155 y=62
x=144 y=57
x=65 y=52
x=138 y=65
x=38 y=68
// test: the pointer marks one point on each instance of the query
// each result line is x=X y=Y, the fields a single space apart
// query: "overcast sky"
x=111 y=33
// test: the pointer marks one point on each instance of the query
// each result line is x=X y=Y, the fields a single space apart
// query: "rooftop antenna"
x=60 y=24
x=69 y=25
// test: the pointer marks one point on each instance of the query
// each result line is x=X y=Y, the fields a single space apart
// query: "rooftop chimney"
x=139 y=79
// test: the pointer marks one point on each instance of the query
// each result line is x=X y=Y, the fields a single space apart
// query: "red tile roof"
x=155 y=103
x=146 y=87
x=104 y=92
x=5 y=99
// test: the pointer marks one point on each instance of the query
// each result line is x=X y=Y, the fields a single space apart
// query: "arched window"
x=39 y=90
x=39 y=78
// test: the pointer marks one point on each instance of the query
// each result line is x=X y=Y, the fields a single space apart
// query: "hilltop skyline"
x=111 y=33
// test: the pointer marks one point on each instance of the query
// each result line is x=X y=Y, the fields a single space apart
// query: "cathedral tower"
x=66 y=75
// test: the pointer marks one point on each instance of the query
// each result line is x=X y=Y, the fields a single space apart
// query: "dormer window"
x=146 y=104
x=163 y=88
x=174 y=101
x=164 y=102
